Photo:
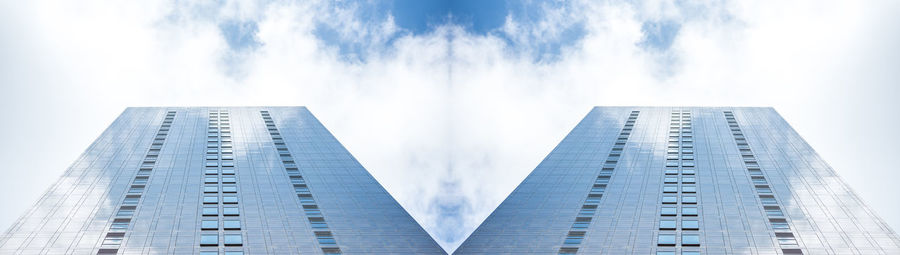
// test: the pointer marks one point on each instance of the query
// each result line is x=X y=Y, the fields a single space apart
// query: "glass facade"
x=208 y=180
x=682 y=180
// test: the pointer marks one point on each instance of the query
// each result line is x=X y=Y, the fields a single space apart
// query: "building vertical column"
x=220 y=225
x=123 y=218
x=777 y=220
x=324 y=237
x=582 y=223
x=679 y=224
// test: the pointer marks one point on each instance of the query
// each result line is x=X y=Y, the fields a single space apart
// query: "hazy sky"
x=449 y=104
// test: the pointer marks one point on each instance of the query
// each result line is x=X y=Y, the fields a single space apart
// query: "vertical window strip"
x=123 y=217
x=777 y=220
x=220 y=215
x=678 y=214
x=588 y=209
x=324 y=236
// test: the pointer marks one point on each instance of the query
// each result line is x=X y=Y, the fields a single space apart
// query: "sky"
x=449 y=104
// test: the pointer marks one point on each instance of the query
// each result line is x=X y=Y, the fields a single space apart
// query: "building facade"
x=232 y=180
x=667 y=181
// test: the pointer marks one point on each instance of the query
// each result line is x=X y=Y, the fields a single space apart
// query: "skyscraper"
x=232 y=180
x=697 y=180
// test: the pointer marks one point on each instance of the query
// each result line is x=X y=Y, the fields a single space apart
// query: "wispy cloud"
x=449 y=120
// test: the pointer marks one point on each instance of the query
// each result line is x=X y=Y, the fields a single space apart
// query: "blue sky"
x=466 y=97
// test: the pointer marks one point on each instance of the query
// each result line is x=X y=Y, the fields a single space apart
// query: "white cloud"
x=448 y=121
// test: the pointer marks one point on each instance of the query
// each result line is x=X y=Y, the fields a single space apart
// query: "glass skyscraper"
x=695 y=180
x=232 y=180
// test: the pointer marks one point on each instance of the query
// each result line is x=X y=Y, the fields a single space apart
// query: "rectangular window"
x=233 y=240
x=670 y=189
x=689 y=189
x=779 y=224
x=689 y=199
x=229 y=199
x=669 y=200
x=667 y=211
x=786 y=239
x=113 y=239
x=689 y=211
x=232 y=224
x=690 y=224
x=210 y=211
x=690 y=240
x=119 y=224
x=666 y=240
x=209 y=239
x=230 y=211
x=325 y=238
x=131 y=200
x=574 y=238
x=209 y=224
x=210 y=200
x=667 y=224
x=773 y=211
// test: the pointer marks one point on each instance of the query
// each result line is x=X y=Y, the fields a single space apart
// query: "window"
x=113 y=239
x=211 y=180
x=758 y=180
x=666 y=240
x=773 y=211
x=141 y=180
x=669 y=199
x=211 y=171
x=136 y=189
x=665 y=253
x=667 y=224
x=763 y=189
x=574 y=238
x=210 y=189
x=689 y=199
x=581 y=225
x=689 y=211
x=125 y=212
x=331 y=251
x=689 y=189
x=210 y=200
x=690 y=224
x=119 y=224
x=670 y=189
x=786 y=239
x=568 y=251
x=779 y=224
x=131 y=200
x=325 y=238
x=232 y=224
x=209 y=224
x=687 y=180
x=230 y=211
x=667 y=211
x=229 y=188
x=210 y=211
x=671 y=180
x=690 y=239
x=229 y=199
x=209 y=239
